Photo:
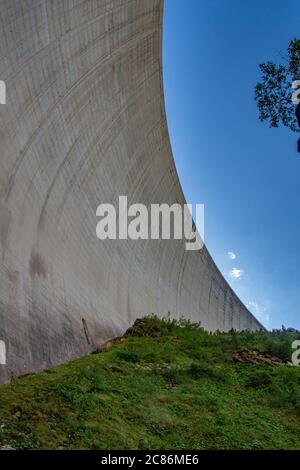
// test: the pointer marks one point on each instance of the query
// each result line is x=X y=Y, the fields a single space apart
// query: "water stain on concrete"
x=5 y=217
x=86 y=331
x=37 y=266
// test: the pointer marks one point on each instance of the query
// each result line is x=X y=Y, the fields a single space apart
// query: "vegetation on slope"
x=166 y=385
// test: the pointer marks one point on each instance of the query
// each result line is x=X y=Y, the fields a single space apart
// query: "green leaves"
x=273 y=95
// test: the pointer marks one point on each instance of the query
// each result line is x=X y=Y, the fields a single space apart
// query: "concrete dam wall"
x=84 y=122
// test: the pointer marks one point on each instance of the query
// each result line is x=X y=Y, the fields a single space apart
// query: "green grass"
x=168 y=386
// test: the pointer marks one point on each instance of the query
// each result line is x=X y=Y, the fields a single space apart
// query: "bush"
x=154 y=326
x=280 y=348
x=286 y=389
x=259 y=378
x=127 y=357
x=171 y=374
x=204 y=371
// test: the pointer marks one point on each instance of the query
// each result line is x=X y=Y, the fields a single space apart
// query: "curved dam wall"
x=84 y=122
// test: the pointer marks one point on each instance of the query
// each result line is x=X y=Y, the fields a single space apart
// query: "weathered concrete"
x=84 y=123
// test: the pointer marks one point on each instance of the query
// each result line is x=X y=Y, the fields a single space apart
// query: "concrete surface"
x=84 y=122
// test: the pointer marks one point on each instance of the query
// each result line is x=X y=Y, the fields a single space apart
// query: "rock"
x=108 y=344
x=255 y=356
x=143 y=327
x=116 y=369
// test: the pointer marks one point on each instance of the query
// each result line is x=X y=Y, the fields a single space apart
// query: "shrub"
x=259 y=378
x=127 y=357
x=204 y=371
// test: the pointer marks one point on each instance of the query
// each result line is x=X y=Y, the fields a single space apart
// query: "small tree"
x=273 y=94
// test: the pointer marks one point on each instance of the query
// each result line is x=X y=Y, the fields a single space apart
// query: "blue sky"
x=246 y=174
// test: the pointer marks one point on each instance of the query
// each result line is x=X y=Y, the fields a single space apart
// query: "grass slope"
x=167 y=386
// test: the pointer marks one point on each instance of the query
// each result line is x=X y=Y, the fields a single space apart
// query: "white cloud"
x=236 y=273
x=231 y=255
x=259 y=312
